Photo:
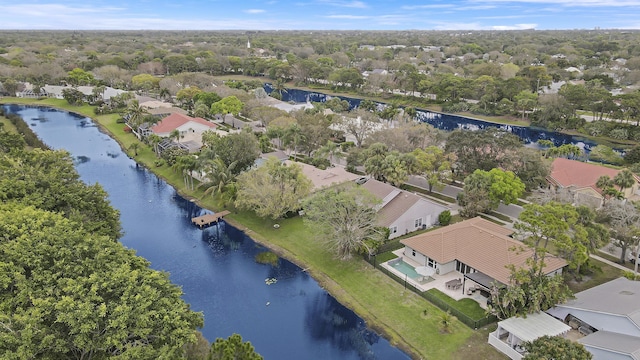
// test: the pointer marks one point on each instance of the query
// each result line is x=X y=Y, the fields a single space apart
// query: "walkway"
x=608 y=262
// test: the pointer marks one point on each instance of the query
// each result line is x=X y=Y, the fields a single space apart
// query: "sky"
x=319 y=14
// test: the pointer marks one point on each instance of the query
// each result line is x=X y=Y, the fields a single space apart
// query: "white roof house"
x=514 y=331
x=401 y=211
x=609 y=314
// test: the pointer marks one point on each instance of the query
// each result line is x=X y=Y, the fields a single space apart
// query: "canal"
x=280 y=309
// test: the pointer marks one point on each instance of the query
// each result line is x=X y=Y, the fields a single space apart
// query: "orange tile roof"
x=565 y=172
x=176 y=120
x=479 y=243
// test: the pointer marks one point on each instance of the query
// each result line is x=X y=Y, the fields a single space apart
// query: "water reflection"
x=216 y=266
x=448 y=122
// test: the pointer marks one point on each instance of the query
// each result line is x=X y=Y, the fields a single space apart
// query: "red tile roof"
x=565 y=172
x=176 y=120
x=479 y=243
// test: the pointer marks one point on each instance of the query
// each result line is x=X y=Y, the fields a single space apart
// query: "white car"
x=633 y=256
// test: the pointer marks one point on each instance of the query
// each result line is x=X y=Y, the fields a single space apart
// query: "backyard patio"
x=446 y=283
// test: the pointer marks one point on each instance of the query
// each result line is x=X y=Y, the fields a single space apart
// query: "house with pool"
x=465 y=259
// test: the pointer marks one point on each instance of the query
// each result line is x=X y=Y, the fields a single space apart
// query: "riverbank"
x=384 y=304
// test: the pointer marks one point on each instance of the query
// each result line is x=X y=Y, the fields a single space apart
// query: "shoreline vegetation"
x=407 y=320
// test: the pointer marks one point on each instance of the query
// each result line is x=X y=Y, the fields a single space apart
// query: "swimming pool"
x=404 y=268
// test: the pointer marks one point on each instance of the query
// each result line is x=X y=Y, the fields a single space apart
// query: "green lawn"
x=467 y=306
x=601 y=275
x=383 y=303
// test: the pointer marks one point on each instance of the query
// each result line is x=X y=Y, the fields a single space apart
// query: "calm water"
x=292 y=318
x=450 y=122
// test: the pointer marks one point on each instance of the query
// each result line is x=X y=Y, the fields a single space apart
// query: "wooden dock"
x=208 y=219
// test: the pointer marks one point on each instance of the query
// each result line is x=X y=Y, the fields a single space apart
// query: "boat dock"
x=208 y=219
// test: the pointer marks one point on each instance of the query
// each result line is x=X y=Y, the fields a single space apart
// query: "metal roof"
x=620 y=343
x=534 y=326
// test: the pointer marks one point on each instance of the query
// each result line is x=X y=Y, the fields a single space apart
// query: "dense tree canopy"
x=344 y=217
x=555 y=347
x=273 y=189
x=67 y=293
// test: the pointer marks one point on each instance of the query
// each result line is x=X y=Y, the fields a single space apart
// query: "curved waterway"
x=287 y=317
x=449 y=122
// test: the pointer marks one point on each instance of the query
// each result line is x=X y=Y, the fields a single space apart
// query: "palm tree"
x=134 y=114
x=332 y=150
x=154 y=140
x=219 y=176
x=186 y=164
x=164 y=93
x=279 y=86
x=293 y=136
x=624 y=180
x=135 y=146
x=446 y=319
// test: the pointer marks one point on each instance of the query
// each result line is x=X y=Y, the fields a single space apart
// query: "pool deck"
x=438 y=282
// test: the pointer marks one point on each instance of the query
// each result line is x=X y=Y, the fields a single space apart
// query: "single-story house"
x=609 y=316
x=581 y=177
x=325 y=178
x=513 y=332
x=402 y=211
x=190 y=129
x=476 y=248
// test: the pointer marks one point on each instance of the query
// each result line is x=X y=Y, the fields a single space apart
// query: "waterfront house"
x=402 y=211
x=477 y=249
x=189 y=128
x=608 y=317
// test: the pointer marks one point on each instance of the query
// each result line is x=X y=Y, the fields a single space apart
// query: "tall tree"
x=433 y=164
x=241 y=148
x=345 y=218
x=491 y=188
x=273 y=189
x=359 y=124
x=624 y=220
x=530 y=290
x=624 y=179
x=232 y=348
x=72 y=294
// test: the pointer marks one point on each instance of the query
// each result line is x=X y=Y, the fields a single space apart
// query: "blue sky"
x=319 y=14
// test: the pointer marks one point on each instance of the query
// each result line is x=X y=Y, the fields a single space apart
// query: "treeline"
x=29 y=137
x=68 y=288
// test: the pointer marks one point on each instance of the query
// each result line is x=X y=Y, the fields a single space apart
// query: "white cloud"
x=514 y=27
x=354 y=17
x=254 y=11
x=430 y=6
x=340 y=3
x=569 y=3
x=53 y=9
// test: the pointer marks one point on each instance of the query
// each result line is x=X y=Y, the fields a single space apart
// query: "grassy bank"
x=383 y=303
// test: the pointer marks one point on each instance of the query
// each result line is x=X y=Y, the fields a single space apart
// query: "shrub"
x=444 y=218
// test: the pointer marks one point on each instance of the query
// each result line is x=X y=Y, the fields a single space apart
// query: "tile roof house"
x=609 y=316
x=325 y=178
x=477 y=248
x=582 y=177
x=401 y=211
x=190 y=129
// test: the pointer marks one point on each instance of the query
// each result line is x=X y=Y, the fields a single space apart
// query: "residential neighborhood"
x=432 y=195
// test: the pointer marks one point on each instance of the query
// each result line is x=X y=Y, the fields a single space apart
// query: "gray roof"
x=395 y=202
x=620 y=343
x=534 y=326
x=619 y=297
